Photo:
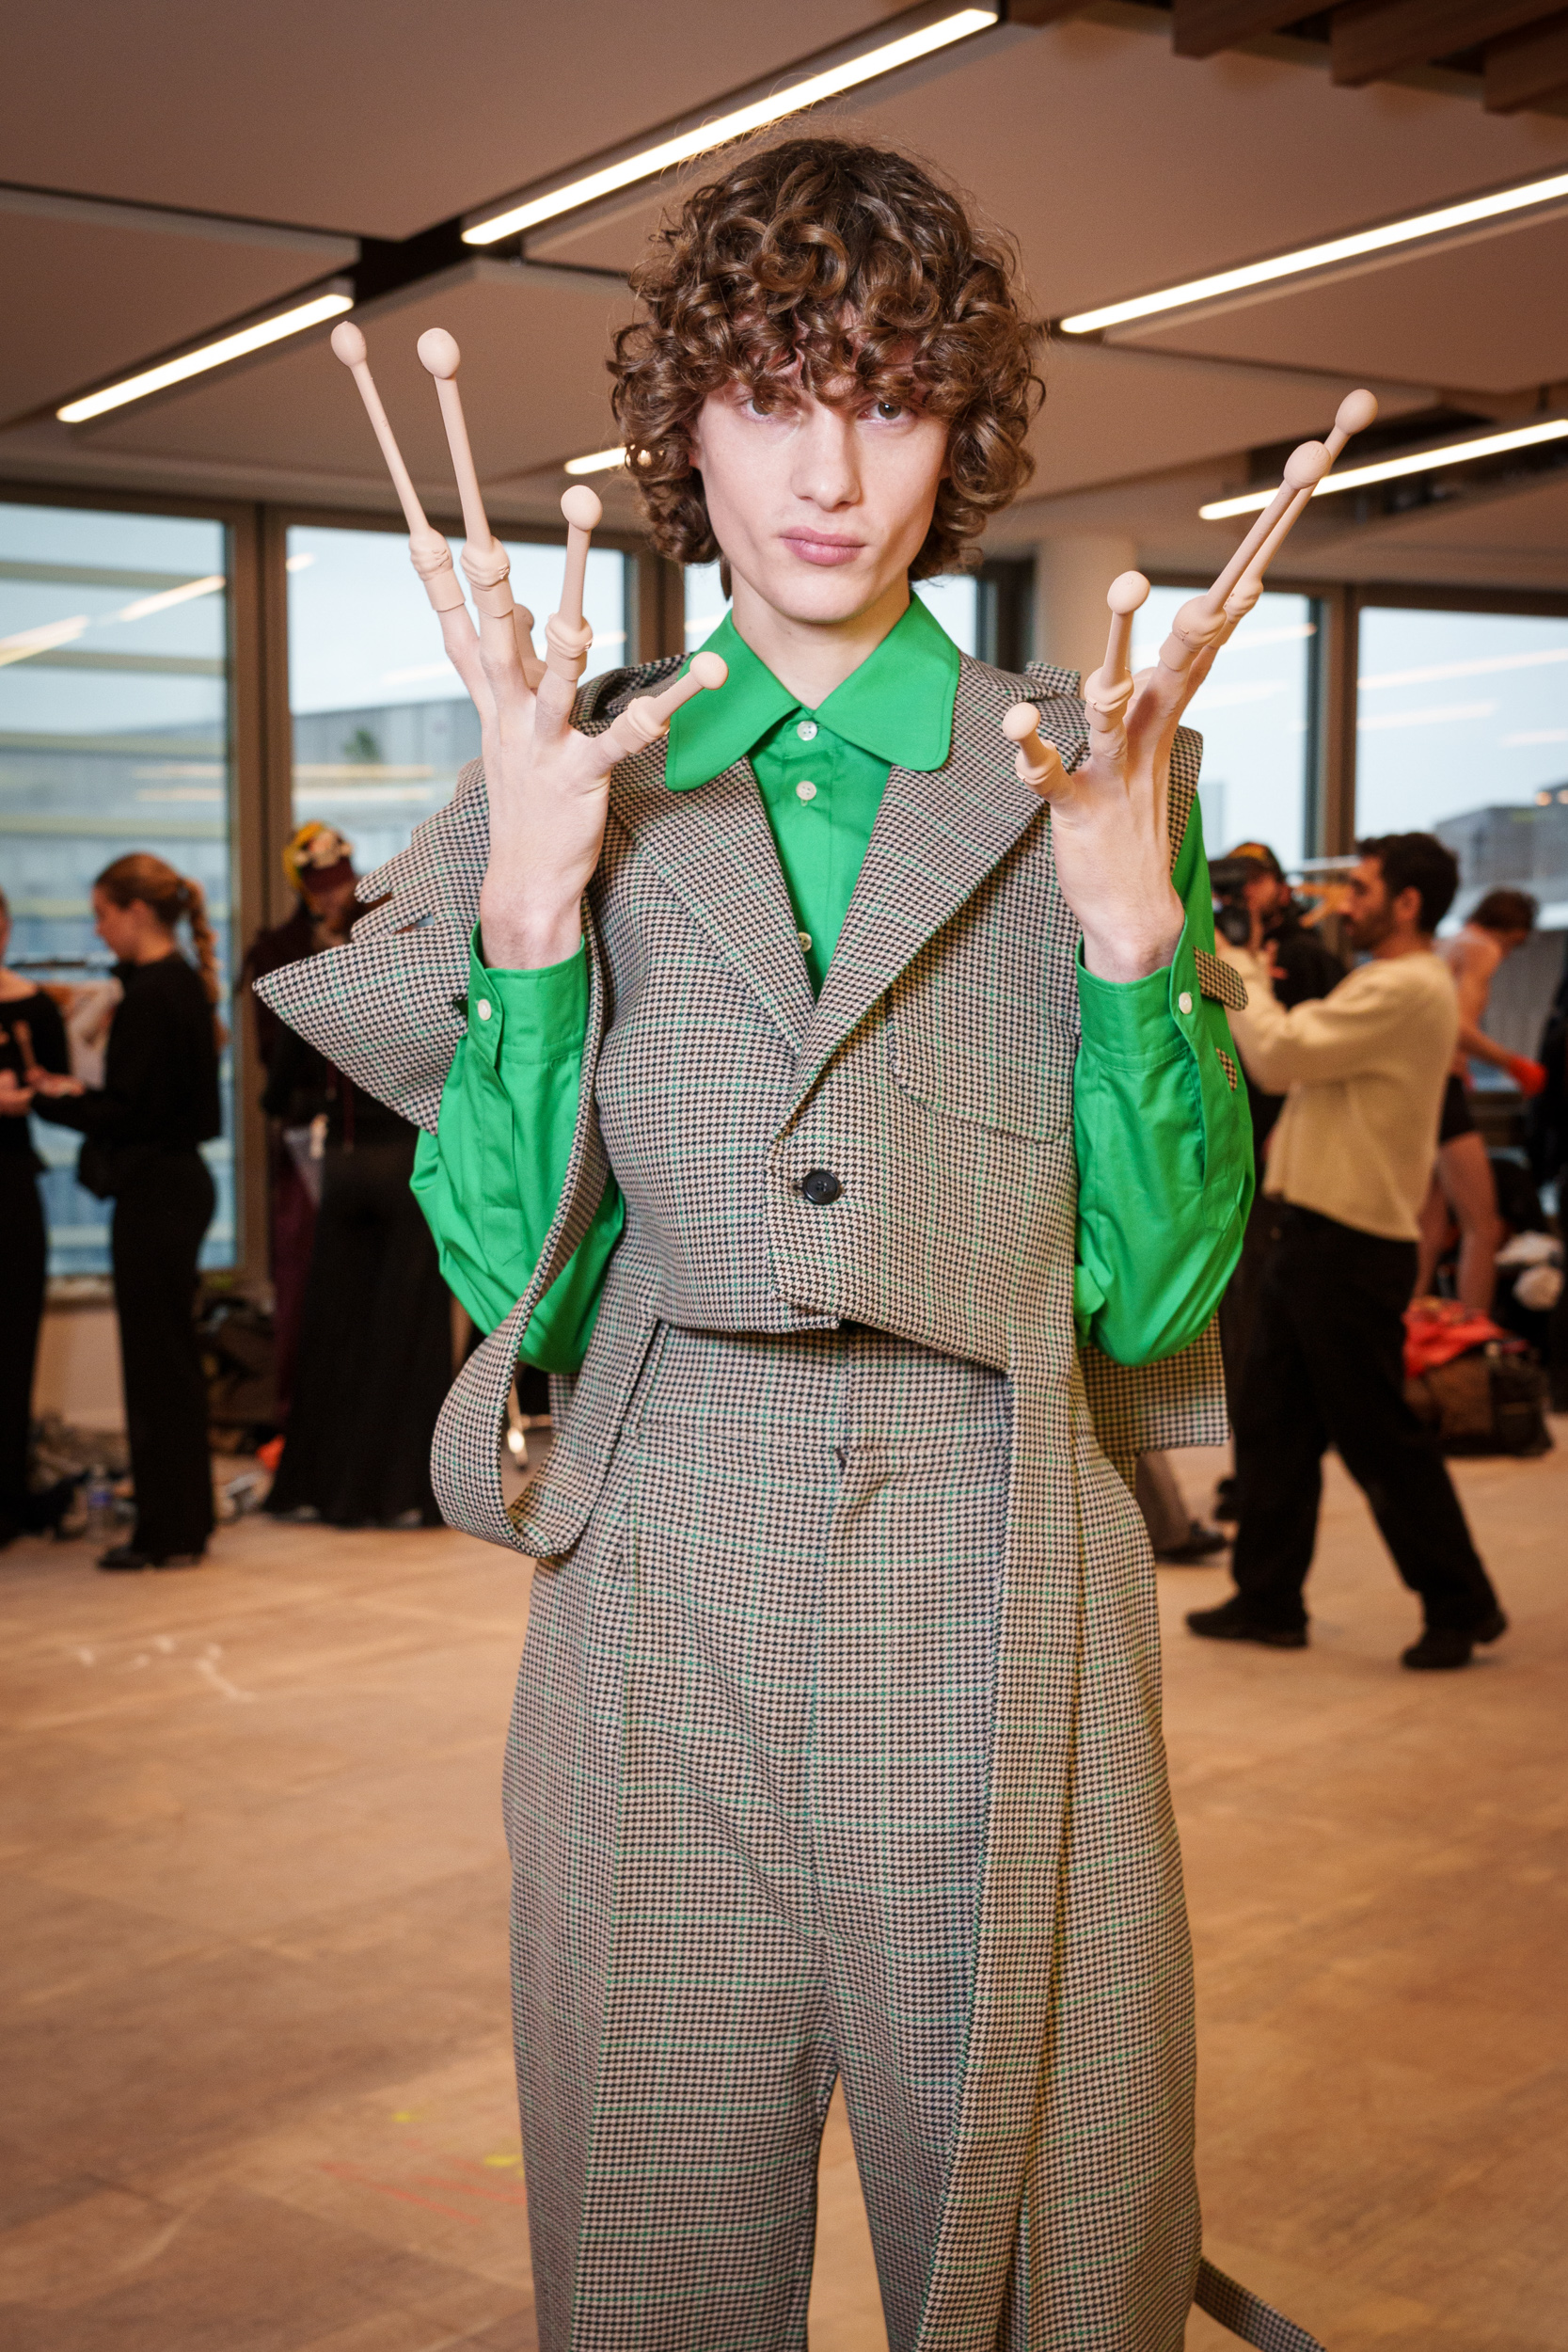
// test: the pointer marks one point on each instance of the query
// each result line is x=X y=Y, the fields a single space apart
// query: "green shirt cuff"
x=1142 y=1023
x=527 y=1020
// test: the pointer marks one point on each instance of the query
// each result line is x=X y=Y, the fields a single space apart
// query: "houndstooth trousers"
x=746 y=1801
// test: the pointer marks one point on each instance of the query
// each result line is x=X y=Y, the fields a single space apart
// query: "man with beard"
x=1366 y=1068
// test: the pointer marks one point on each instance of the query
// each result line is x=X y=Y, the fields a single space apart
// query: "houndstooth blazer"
x=933 y=1078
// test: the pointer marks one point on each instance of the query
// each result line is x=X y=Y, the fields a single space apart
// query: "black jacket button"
x=820 y=1187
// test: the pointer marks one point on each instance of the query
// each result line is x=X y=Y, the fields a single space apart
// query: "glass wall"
x=1253 y=714
x=114 y=736
x=1462 y=725
x=381 y=725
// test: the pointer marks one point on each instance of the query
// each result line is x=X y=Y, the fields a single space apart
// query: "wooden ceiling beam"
x=1526 y=67
x=1042 y=11
x=1199 y=29
x=1369 y=39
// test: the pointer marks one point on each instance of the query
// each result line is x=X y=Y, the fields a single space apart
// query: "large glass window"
x=1253 y=715
x=114 y=736
x=381 y=723
x=1462 y=724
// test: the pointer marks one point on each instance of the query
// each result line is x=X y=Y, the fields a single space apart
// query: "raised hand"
x=548 y=784
x=1108 y=816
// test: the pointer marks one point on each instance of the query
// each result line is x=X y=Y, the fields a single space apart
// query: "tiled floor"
x=258 y=2094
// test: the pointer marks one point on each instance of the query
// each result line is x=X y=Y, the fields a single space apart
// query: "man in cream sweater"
x=1349 y=1163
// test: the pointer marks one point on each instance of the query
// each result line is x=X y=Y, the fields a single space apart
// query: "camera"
x=1228 y=878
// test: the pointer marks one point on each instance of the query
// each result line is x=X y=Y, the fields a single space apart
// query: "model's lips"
x=815 y=547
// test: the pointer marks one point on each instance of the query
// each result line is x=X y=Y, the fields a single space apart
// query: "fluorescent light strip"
x=600 y=461
x=1315 y=257
x=1395 y=468
x=235 y=347
x=649 y=161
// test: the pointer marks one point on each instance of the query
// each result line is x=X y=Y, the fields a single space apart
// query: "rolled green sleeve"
x=489 y=1180
x=1164 y=1146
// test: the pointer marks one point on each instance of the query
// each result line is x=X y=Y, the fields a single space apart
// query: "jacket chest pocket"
x=983 y=1025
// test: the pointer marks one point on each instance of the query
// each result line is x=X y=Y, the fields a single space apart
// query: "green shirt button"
x=483 y=1008
x=1183 y=1003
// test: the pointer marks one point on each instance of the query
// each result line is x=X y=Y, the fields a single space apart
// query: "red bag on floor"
x=1438 y=1329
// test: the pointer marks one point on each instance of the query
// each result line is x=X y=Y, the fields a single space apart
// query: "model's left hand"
x=1108 y=829
x=15 y=1101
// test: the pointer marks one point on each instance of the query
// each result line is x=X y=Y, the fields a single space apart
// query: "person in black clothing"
x=318 y=863
x=158 y=1103
x=1303 y=966
x=373 y=1361
x=32 y=1039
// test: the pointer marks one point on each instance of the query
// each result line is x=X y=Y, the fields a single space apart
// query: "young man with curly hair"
x=847 y=1137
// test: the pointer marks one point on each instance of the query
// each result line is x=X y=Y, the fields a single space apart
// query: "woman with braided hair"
x=143 y=1127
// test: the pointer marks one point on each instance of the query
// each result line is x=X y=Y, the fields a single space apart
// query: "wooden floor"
x=258 y=2092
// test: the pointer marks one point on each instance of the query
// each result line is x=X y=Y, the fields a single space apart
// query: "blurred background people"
x=1256 y=909
x=1347 y=1173
x=374 y=1357
x=319 y=864
x=143 y=1130
x=1463 y=1191
x=32 y=1039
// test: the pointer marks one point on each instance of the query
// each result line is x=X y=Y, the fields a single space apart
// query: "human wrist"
x=1124 y=956
x=525 y=934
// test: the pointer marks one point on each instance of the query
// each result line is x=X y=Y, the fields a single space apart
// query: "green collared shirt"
x=1164 y=1142
x=822 y=772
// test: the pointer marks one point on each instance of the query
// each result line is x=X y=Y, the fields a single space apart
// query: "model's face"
x=819 y=508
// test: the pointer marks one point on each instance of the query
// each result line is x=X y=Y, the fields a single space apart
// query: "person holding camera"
x=1366 y=1068
x=1256 y=908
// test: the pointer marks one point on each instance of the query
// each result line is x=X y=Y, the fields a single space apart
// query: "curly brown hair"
x=856 y=266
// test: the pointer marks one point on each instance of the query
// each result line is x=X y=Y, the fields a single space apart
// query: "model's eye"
x=889 y=411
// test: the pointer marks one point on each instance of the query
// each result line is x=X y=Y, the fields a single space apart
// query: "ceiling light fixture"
x=840 y=70
x=598 y=461
x=215 y=355
x=1443 y=222
x=1396 y=469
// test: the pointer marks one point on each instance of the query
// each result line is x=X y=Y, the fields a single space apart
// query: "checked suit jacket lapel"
x=937 y=836
x=725 y=871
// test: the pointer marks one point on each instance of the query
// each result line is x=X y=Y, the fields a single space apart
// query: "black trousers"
x=1326 y=1367
x=155 y=1234
x=22 y=1267
x=374 y=1350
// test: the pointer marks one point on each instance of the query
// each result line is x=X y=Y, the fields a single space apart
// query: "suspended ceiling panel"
x=1119 y=167
x=534 y=388
x=382 y=116
x=1491 y=316
x=1111 y=414
x=87 y=296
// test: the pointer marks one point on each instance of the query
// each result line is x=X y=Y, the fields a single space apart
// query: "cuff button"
x=483 y=1008
x=1183 y=1003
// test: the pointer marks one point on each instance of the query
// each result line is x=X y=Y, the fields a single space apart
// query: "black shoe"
x=1232 y=1621
x=1228 y=1502
x=1201 y=1544
x=179 y=1559
x=1440 y=1650
x=1491 y=1626
x=124 y=1556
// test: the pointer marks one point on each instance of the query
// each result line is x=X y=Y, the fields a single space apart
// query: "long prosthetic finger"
x=1038 y=764
x=485 y=560
x=645 y=721
x=427 y=548
x=567 y=635
x=1356 y=412
x=1108 y=690
x=1199 y=626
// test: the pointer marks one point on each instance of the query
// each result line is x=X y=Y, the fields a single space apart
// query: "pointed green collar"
x=898 y=706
